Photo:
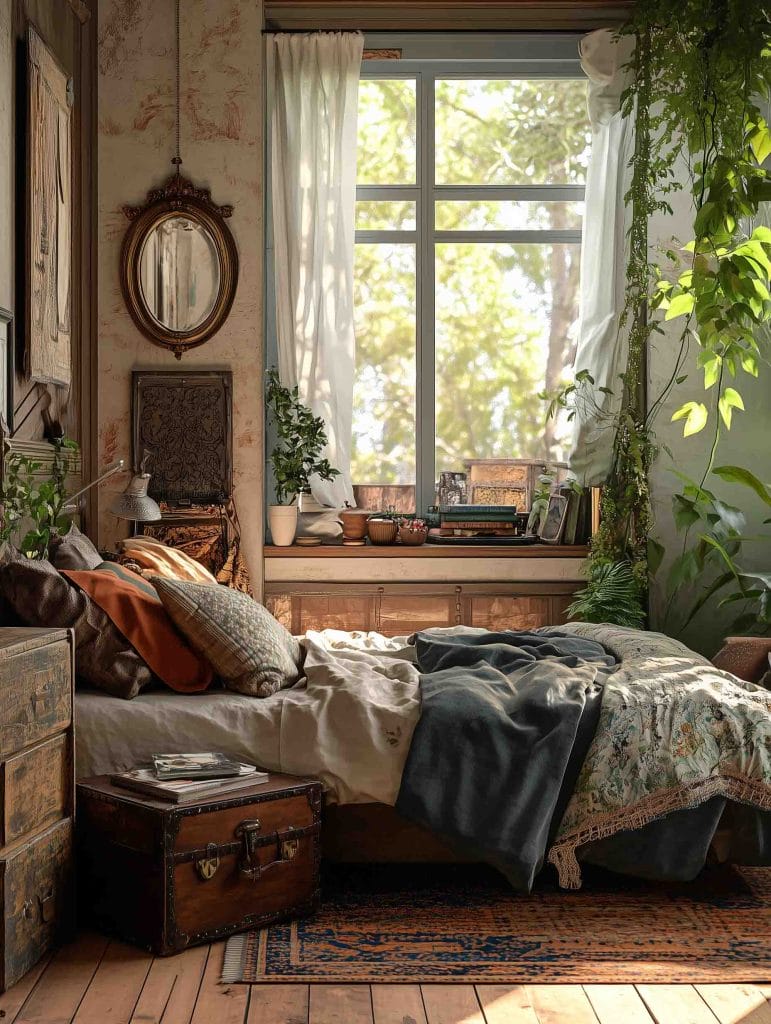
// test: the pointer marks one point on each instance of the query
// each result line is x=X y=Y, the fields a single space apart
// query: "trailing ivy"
x=700 y=69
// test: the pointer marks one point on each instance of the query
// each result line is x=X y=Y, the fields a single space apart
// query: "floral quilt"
x=674 y=731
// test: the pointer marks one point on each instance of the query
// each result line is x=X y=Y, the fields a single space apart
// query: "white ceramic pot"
x=282 y=520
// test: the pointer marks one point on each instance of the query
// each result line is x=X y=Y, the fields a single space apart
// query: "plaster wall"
x=221 y=147
x=747 y=444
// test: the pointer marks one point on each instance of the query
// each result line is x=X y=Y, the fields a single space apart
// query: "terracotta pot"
x=745 y=656
x=382 y=531
x=354 y=522
x=412 y=538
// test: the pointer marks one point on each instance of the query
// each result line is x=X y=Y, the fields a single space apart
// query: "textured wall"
x=222 y=149
x=746 y=444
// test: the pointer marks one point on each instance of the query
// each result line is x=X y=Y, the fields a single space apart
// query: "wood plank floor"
x=98 y=981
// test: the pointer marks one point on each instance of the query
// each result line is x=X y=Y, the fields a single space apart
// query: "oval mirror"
x=179 y=266
x=179 y=273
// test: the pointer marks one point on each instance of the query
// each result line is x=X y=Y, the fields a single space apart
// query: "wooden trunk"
x=36 y=795
x=166 y=876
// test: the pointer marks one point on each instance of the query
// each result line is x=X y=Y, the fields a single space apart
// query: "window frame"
x=425 y=192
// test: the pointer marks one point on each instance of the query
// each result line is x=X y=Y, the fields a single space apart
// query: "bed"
x=353 y=721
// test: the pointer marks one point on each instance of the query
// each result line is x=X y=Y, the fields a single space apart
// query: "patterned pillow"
x=252 y=652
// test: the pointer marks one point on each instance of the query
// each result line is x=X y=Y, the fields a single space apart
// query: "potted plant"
x=295 y=458
x=413 y=532
x=383 y=527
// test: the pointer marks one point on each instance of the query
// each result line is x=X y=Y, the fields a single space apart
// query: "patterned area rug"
x=461 y=923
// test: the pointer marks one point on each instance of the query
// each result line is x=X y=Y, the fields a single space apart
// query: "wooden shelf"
x=427 y=551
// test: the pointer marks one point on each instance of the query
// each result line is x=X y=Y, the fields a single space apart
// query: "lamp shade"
x=135 y=503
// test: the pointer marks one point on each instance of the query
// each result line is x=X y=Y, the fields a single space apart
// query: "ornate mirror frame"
x=178 y=196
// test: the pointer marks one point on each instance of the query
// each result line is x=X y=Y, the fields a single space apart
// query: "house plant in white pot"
x=300 y=439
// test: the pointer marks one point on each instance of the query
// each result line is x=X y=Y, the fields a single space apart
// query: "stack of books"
x=180 y=777
x=480 y=524
x=478 y=520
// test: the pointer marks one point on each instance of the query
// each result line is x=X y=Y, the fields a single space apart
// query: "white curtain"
x=313 y=82
x=600 y=349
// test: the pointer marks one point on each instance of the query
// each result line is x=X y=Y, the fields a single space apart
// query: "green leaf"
x=684 y=512
x=740 y=475
x=656 y=552
x=680 y=305
x=695 y=415
x=685 y=569
x=729 y=400
x=712 y=589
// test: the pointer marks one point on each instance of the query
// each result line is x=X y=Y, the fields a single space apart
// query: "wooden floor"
x=97 y=981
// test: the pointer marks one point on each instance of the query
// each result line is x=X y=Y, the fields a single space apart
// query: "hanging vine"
x=701 y=69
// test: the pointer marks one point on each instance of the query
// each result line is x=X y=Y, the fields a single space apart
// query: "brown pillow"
x=40 y=596
x=74 y=551
x=135 y=609
x=745 y=656
x=8 y=616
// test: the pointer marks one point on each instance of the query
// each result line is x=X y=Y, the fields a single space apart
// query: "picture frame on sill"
x=554 y=522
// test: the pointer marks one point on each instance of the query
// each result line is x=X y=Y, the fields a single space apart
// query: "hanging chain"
x=177 y=159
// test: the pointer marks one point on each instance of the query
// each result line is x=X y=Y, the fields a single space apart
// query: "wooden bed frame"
x=376 y=833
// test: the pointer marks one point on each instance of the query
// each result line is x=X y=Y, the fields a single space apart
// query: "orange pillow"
x=161 y=560
x=142 y=619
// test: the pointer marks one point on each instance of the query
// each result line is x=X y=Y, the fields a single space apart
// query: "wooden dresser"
x=37 y=793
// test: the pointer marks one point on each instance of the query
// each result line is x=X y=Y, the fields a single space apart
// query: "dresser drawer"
x=36 y=789
x=35 y=695
x=36 y=898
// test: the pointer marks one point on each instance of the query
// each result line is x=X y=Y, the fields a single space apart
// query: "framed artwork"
x=554 y=523
x=49 y=216
x=6 y=370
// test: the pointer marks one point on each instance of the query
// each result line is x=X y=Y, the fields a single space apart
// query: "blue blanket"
x=505 y=724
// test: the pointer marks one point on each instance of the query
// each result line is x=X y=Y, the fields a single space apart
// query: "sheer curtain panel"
x=313 y=82
x=601 y=349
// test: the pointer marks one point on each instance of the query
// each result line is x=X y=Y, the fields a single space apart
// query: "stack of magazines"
x=180 y=777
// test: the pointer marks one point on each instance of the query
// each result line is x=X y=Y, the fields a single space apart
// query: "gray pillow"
x=246 y=646
x=40 y=596
x=74 y=551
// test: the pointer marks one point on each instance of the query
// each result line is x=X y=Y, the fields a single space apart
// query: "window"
x=469 y=208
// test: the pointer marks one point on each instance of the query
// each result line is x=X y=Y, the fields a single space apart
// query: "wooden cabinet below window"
x=402 y=608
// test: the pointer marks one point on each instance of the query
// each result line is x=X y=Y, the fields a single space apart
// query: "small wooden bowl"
x=412 y=538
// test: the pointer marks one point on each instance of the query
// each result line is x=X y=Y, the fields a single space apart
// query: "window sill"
x=427 y=551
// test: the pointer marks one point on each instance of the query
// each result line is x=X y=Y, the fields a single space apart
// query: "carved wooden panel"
x=503 y=612
x=398 y=615
x=331 y=612
x=185 y=420
x=280 y=607
x=559 y=608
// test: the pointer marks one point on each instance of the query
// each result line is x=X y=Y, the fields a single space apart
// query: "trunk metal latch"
x=249 y=865
x=207 y=866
